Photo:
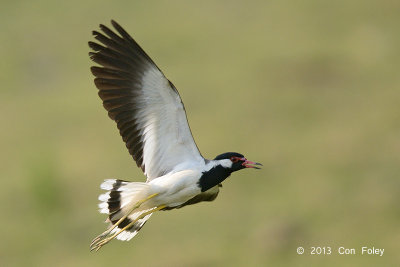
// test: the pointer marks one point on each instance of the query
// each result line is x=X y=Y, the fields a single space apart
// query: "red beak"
x=249 y=164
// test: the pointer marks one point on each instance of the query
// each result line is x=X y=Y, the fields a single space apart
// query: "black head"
x=222 y=167
x=236 y=161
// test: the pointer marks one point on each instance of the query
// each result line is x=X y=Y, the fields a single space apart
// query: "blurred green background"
x=308 y=88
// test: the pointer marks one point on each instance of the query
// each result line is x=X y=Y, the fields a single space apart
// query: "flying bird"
x=152 y=121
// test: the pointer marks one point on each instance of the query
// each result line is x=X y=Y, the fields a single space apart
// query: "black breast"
x=213 y=177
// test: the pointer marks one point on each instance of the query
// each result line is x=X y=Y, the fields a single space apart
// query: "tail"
x=117 y=202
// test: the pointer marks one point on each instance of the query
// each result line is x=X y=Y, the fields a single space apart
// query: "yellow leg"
x=108 y=231
x=108 y=239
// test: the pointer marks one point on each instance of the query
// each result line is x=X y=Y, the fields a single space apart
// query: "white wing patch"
x=167 y=137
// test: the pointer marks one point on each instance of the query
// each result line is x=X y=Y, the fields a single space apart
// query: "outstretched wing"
x=145 y=105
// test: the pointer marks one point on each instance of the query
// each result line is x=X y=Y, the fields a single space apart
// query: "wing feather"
x=145 y=105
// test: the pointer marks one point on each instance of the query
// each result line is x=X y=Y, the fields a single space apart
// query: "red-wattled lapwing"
x=152 y=121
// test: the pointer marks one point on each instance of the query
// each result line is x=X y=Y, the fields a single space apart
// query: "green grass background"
x=308 y=88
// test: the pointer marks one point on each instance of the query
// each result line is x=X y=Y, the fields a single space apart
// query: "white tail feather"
x=118 y=201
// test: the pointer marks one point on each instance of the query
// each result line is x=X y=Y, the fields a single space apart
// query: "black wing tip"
x=104 y=27
x=115 y=24
x=125 y=35
x=96 y=70
x=92 y=56
x=95 y=46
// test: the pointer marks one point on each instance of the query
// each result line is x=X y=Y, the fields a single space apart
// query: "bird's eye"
x=234 y=159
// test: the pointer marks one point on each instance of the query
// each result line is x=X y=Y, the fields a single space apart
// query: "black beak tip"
x=257 y=168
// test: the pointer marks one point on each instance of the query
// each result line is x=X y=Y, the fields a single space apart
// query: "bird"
x=152 y=121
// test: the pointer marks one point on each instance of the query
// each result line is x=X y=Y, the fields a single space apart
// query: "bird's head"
x=221 y=168
x=236 y=161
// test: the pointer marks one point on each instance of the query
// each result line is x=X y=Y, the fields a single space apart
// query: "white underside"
x=174 y=189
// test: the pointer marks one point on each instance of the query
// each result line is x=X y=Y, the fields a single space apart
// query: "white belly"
x=175 y=189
